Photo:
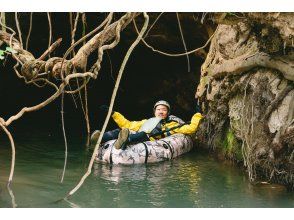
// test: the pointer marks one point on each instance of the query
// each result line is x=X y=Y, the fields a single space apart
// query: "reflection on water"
x=193 y=180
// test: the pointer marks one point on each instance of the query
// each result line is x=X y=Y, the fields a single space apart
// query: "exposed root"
x=2 y=125
x=111 y=105
x=64 y=136
x=152 y=25
x=174 y=54
x=50 y=49
x=50 y=30
x=73 y=32
x=18 y=29
x=278 y=100
x=79 y=61
x=30 y=31
x=50 y=99
x=184 y=43
x=246 y=62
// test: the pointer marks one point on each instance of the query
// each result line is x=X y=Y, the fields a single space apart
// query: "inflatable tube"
x=146 y=152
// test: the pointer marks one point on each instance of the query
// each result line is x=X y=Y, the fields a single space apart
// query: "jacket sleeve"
x=192 y=127
x=122 y=122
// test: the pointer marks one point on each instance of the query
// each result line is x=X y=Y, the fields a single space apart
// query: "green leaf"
x=2 y=52
x=1 y=57
x=11 y=50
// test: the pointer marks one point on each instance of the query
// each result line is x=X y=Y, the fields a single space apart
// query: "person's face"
x=161 y=111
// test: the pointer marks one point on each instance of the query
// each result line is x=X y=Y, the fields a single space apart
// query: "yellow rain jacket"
x=191 y=128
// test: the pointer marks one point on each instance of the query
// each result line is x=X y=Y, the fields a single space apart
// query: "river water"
x=192 y=180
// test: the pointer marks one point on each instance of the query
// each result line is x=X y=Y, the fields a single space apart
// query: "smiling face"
x=161 y=111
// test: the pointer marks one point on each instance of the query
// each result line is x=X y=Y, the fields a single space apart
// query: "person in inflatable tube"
x=160 y=126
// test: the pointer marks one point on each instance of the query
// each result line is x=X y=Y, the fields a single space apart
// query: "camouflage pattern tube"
x=146 y=152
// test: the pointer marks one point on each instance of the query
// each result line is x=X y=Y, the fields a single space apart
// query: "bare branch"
x=106 y=35
x=2 y=125
x=18 y=29
x=30 y=30
x=80 y=60
x=50 y=29
x=111 y=105
x=50 y=49
x=64 y=136
x=184 y=43
x=175 y=54
x=50 y=99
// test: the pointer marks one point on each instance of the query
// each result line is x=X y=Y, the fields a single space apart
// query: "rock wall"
x=246 y=89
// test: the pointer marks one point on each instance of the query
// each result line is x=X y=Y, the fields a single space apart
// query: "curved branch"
x=18 y=29
x=106 y=21
x=183 y=40
x=50 y=29
x=2 y=125
x=50 y=49
x=49 y=100
x=175 y=54
x=30 y=30
x=79 y=61
x=111 y=105
x=22 y=55
x=64 y=136
x=99 y=39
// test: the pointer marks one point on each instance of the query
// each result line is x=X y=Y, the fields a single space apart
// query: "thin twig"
x=96 y=67
x=64 y=136
x=50 y=49
x=80 y=96
x=50 y=30
x=106 y=21
x=111 y=105
x=151 y=26
x=87 y=115
x=46 y=82
x=175 y=54
x=184 y=43
x=2 y=21
x=18 y=29
x=30 y=30
x=84 y=26
x=110 y=63
x=10 y=44
x=12 y=150
x=86 y=91
x=86 y=80
x=70 y=22
x=50 y=99
x=73 y=33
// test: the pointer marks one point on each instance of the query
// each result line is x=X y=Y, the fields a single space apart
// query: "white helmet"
x=162 y=102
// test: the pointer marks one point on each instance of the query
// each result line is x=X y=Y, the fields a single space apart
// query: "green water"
x=192 y=180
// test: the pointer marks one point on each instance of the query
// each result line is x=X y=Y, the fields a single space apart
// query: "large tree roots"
x=247 y=92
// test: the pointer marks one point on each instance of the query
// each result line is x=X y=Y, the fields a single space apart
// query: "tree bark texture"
x=246 y=89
